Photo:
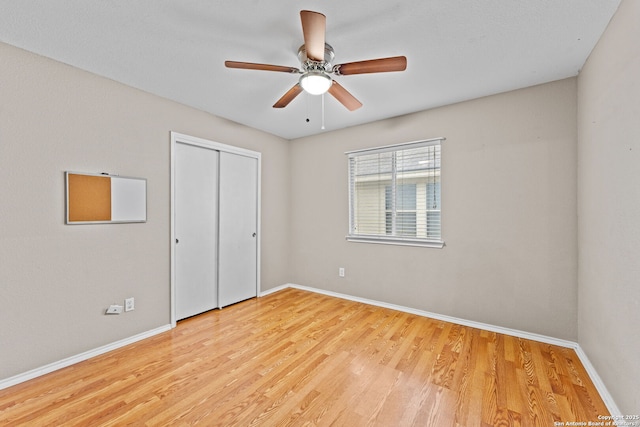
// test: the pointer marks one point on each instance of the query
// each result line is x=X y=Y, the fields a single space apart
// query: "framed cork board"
x=104 y=198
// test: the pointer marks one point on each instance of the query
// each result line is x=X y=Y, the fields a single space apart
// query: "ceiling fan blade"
x=288 y=97
x=263 y=67
x=314 y=25
x=344 y=97
x=382 y=65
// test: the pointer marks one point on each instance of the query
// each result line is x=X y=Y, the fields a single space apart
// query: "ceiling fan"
x=316 y=68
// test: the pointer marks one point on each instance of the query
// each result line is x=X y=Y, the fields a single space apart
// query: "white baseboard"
x=450 y=319
x=597 y=381
x=595 y=378
x=276 y=289
x=20 y=378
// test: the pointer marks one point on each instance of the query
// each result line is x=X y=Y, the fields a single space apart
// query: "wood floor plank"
x=297 y=358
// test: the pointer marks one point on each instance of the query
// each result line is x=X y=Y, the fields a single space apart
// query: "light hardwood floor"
x=300 y=358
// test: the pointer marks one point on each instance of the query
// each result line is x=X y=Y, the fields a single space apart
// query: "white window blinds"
x=394 y=194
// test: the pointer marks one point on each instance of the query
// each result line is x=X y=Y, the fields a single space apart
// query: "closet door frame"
x=212 y=145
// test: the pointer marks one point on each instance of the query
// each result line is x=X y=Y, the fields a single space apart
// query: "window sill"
x=439 y=244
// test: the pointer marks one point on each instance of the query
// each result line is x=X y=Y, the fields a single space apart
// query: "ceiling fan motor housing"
x=315 y=77
x=316 y=66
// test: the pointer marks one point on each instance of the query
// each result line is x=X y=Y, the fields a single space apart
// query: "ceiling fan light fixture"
x=315 y=83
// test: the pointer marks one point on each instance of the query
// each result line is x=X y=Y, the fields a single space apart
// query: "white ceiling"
x=456 y=50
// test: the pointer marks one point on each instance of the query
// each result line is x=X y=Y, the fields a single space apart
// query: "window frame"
x=383 y=239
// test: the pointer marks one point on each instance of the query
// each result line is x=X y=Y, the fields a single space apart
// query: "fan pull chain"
x=322 y=124
x=306 y=99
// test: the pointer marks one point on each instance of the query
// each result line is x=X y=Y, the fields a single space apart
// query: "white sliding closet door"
x=238 y=248
x=196 y=229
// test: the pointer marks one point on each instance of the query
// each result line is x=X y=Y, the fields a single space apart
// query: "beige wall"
x=508 y=213
x=56 y=280
x=609 y=207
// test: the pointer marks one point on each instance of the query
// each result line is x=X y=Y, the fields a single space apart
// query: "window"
x=405 y=208
x=394 y=194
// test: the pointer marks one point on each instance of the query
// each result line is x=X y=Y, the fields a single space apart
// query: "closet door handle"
x=253 y=235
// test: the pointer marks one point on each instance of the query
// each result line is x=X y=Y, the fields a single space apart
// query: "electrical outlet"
x=114 y=309
x=341 y=272
x=129 y=304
